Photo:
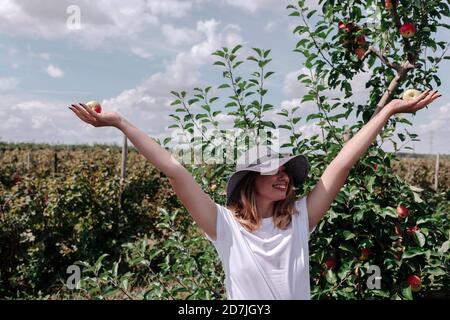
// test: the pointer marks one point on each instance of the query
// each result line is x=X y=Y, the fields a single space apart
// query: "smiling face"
x=273 y=187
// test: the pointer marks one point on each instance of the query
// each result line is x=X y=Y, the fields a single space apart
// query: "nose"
x=282 y=171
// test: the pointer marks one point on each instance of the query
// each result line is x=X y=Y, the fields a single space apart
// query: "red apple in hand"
x=408 y=30
x=94 y=105
x=402 y=211
x=415 y=282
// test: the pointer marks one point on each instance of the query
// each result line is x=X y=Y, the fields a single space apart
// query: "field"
x=132 y=240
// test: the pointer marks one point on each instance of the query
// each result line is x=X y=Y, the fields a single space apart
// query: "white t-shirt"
x=268 y=264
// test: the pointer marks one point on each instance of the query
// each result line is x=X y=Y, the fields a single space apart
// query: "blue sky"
x=130 y=54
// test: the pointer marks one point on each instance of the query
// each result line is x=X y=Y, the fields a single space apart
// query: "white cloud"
x=179 y=36
x=45 y=56
x=54 y=72
x=170 y=8
x=40 y=121
x=149 y=102
x=439 y=119
x=141 y=52
x=270 y=26
x=292 y=88
x=280 y=5
x=12 y=122
x=100 y=20
x=7 y=84
x=253 y=5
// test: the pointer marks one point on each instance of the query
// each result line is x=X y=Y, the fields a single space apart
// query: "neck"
x=264 y=207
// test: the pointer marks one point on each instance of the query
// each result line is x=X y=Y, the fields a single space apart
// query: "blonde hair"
x=243 y=204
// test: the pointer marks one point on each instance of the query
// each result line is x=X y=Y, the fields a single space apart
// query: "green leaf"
x=213 y=99
x=407 y=292
x=308 y=97
x=331 y=277
x=420 y=238
x=369 y=183
x=235 y=49
x=268 y=74
x=313 y=116
x=269 y=124
x=285 y=126
x=167 y=140
x=348 y=235
x=224 y=86
x=413 y=252
x=219 y=63
x=258 y=51
x=445 y=247
x=231 y=104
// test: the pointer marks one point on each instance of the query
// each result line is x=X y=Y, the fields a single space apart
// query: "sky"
x=129 y=55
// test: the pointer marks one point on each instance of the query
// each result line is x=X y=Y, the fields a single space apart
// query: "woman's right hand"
x=106 y=119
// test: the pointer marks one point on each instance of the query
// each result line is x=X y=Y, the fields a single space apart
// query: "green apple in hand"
x=411 y=94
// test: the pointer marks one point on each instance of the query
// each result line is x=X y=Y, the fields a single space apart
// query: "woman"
x=262 y=234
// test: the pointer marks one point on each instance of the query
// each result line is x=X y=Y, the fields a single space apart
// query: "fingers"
x=429 y=99
x=81 y=113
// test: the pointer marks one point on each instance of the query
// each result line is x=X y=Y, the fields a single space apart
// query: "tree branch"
x=382 y=57
x=395 y=83
x=315 y=42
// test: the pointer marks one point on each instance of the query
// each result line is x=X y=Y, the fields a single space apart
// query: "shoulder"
x=225 y=223
x=302 y=218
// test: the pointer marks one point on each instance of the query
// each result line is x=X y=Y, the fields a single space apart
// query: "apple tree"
x=382 y=238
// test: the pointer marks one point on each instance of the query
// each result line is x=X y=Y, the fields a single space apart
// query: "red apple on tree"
x=330 y=263
x=341 y=25
x=408 y=30
x=365 y=253
x=411 y=231
x=361 y=40
x=402 y=211
x=415 y=282
x=388 y=4
x=360 y=52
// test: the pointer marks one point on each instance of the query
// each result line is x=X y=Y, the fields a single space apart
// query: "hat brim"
x=296 y=166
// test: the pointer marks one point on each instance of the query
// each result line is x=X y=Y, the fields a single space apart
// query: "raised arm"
x=197 y=202
x=323 y=194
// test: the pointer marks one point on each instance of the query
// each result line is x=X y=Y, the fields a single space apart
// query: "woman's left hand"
x=401 y=106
